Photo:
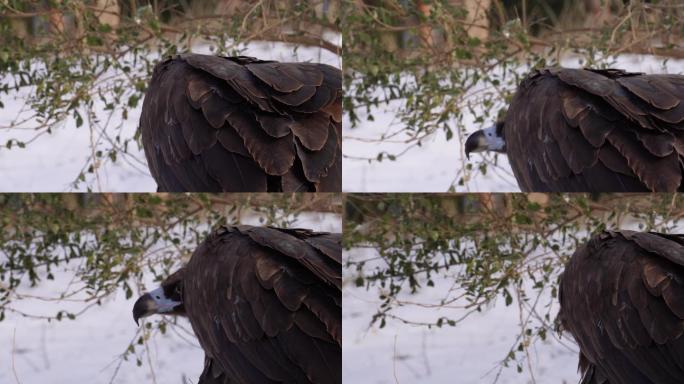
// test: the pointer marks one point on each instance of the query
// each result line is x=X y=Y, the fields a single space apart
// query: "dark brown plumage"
x=239 y=124
x=265 y=304
x=622 y=299
x=571 y=130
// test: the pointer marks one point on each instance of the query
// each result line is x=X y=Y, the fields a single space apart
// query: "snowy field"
x=469 y=353
x=87 y=350
x=434 y=166
x=53 y=162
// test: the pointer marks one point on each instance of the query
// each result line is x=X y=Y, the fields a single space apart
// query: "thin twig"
x=14 y=351
x=394 y=361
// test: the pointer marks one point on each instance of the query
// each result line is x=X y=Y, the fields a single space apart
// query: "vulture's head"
x=165 y=300
x=488 y=139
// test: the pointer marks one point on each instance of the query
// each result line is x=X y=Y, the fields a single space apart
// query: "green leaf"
x=133 y=100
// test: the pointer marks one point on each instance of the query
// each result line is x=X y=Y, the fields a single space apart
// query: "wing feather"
x=332 y=177
x=297 y=97
x=295 y=181
x=262 y=308
x=615 y=301
x=275 y=156
x=598 y=131
x=317 y=163
x=270 y=107
x=232 y=142
x=278 y=80
x=232 y=171
x=216 y=109
x=312 y=130
x=212 y=373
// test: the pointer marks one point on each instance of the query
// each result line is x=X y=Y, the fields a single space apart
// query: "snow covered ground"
x=87 y=350
x=469 y=353
x=53 y=162
x=434 y=166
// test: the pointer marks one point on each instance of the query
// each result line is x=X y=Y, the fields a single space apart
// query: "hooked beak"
x=475 y=143
x=154 y=302
x=488 y=139
x=143 y=307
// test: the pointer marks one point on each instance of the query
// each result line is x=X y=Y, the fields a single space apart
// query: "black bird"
x=239 y=124
x=622 y=299
x=587 y=130
x=265 y=304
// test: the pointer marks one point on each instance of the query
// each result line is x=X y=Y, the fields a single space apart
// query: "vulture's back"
x=212 y=124
x=266 y=305
x=578 y=130
x=622 y=299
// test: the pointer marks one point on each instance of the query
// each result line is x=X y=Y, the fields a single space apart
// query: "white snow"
x=438 y=164
x=468 y=353
x=53 y=162
x=87 y=349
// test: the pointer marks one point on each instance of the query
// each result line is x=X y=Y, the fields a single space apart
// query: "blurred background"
x=462 y=288
x=72 y=265
x=73 y=75
x=421 y=75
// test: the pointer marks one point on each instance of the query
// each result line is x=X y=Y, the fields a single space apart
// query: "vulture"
x=265 y=304
x=240 y=124
x=591 y=130
x=622 y=299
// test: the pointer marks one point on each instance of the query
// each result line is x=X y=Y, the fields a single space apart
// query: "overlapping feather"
x=275 y=125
